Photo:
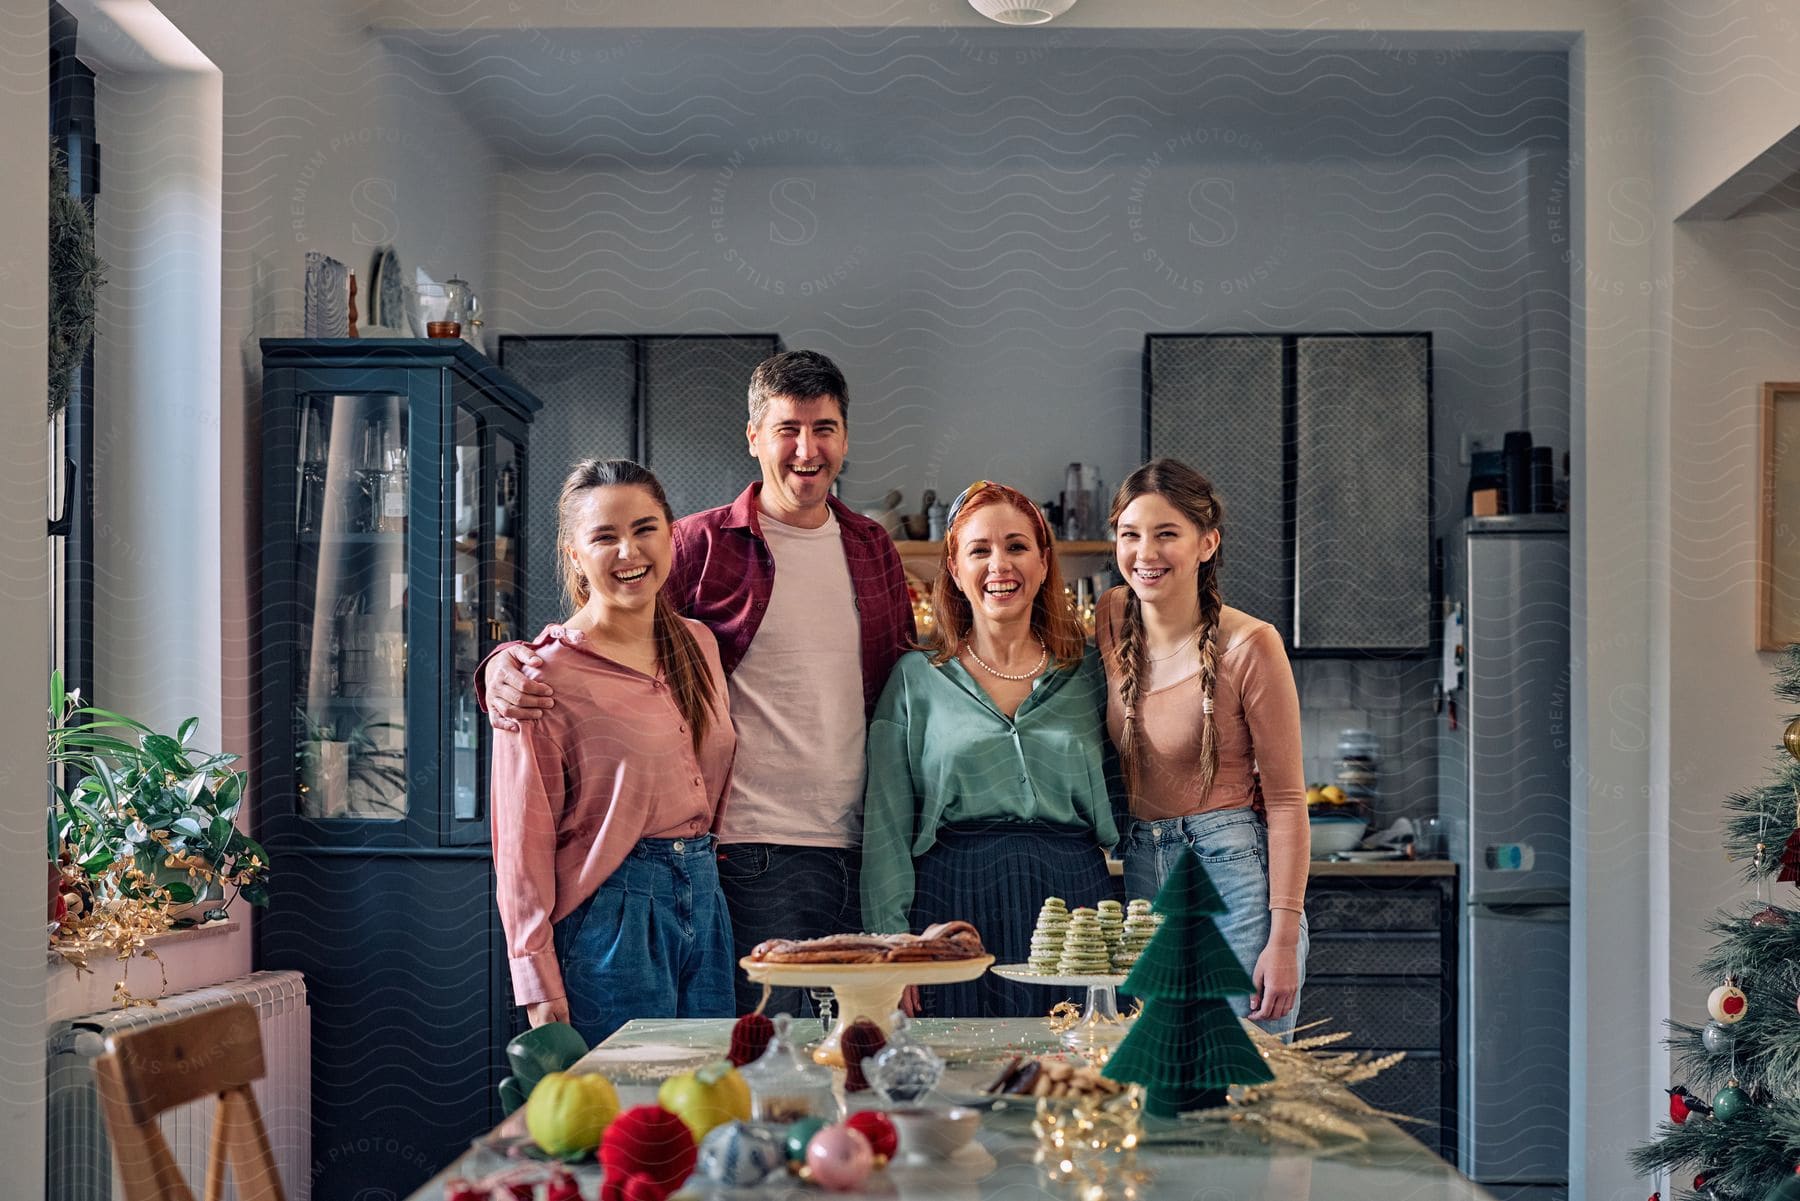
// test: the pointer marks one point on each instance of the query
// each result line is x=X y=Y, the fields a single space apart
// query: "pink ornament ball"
x=840 y=1159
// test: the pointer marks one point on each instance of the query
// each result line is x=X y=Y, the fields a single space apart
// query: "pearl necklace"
x=1042 y=659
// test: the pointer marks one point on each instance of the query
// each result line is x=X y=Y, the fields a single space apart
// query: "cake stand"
x=1099 y=1025
x=863 y=990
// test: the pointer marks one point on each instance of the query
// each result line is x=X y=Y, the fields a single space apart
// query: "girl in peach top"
x=1201 y=702
x=603 y=812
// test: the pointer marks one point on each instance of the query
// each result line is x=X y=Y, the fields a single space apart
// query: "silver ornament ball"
x=1716 y=1039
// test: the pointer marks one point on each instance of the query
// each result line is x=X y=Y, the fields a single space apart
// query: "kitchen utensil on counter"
x=425 y=304
x=1358 y=766
x=1432 y=840
x=1487 y=474
x=1517 y=454
x=1543 y=480
x=1333 y=832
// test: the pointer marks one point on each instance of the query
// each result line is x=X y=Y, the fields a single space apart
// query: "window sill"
x=156 y=942
x=185 y=959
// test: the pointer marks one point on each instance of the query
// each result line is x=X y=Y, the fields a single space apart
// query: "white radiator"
x=78 y=1162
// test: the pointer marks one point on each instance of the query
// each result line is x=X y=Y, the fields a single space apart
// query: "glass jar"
x=905 y=1070
x=785 y=1085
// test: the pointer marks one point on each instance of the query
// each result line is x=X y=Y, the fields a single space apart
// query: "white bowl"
x=934 y=1133
x=1337 y=832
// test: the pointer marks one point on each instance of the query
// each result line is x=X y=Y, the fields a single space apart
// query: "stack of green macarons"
x=1084 y=948
x=1140 y=925
x=1047 y=938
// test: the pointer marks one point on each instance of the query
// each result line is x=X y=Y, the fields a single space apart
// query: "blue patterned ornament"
x=741 y=1154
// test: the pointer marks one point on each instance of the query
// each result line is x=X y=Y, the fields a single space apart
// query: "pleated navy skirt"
x=996 y=876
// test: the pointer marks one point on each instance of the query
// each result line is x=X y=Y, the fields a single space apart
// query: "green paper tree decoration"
x=1187 y=1045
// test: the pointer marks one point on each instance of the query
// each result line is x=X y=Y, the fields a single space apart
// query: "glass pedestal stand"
x=863 y=990
x=1099 y=1028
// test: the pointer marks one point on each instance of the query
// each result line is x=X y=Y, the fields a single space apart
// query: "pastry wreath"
x=942 y=942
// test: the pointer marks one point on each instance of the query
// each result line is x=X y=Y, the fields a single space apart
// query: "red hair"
x=1053 y=617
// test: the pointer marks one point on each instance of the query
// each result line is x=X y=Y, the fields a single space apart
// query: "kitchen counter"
x=1410 y=869
x=1173 y=1155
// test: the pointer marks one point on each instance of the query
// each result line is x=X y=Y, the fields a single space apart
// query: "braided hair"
x=1192 y=494
x=677 y=651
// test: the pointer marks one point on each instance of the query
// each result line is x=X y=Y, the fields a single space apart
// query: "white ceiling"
x=667 y=98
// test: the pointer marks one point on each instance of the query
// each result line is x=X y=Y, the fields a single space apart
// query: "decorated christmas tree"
x=1187 y=1045
x=1734 y=1108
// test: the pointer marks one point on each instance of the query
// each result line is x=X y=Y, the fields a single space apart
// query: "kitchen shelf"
x=919 y=550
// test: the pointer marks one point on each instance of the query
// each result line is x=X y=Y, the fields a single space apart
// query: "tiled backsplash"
x=1392 y=698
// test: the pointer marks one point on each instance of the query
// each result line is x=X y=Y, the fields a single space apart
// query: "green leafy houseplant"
x=375 y=774
x=147 y=827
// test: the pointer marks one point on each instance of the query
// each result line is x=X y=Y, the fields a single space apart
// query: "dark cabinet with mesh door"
x=1320 y=446
x=676 y=403
x=1382 y=966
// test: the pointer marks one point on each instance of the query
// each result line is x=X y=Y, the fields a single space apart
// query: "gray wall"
x=988 y=293
x=987 y=284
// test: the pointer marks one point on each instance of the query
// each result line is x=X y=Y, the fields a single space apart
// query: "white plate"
x=1022 y=973
x=1363 y=856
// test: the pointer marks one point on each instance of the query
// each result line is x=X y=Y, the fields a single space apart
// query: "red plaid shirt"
x=723 y=576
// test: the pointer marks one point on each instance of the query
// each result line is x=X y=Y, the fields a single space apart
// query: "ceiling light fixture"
x=1021 y=12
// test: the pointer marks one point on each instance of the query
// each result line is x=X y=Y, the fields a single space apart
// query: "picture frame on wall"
x=1778 y=519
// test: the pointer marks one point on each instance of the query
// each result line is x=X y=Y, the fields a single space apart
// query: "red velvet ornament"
x=647 y=1153
x=458 y=1189
x=1790 y=860
x=561 y=1187
x=878 y=1128
x=750 y=1038
x=863 y=1039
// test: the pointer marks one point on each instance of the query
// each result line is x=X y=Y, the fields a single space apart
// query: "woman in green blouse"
x=986 y=792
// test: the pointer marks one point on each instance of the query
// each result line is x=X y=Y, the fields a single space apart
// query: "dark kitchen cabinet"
x=1382 y=965
x=392 y=557
x=675 y=403
x=1320 y=446
x=1217 y=404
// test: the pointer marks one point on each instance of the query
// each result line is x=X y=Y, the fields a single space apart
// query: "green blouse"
x=940 y=752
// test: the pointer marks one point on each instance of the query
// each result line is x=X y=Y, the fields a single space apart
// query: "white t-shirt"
x=797 y=701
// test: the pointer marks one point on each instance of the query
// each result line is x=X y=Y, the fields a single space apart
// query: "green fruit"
x=709 y=1097
x=567 y=1114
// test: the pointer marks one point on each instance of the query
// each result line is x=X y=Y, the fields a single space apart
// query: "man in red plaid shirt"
x=790 y=847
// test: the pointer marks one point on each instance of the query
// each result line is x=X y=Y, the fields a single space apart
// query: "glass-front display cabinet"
x=393 y=543
x=390 y=561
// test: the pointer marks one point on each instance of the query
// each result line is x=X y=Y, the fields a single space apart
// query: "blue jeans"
x=654 y=942
x=1233 y=846
x=779 y=891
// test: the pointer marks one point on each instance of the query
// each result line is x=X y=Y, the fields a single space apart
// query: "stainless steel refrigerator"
x=1504 y=798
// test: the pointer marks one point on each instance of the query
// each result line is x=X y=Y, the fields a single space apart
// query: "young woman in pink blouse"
x=1201 y=703
x=604 y=811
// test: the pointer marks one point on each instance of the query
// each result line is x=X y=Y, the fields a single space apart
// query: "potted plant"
x=347 y=769
x=145 y=831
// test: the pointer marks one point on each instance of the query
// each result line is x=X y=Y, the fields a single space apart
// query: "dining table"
x=1175 y=1159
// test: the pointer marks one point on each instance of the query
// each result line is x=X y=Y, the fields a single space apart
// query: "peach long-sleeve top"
x=1257 y=713
x=610 y=763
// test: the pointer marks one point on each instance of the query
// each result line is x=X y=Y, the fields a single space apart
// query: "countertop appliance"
x=1504 y=800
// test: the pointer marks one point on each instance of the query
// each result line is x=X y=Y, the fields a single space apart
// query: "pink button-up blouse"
x=612 y=762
